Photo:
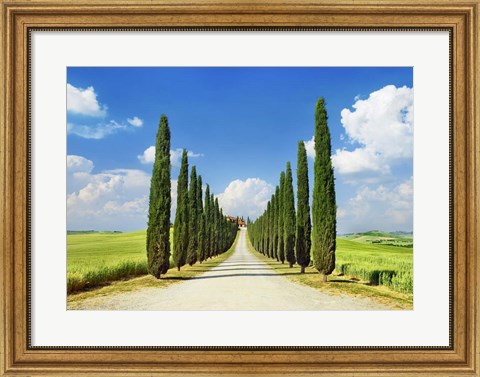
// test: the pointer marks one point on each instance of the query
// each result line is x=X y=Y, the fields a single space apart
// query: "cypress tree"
x=303 y=225
x=192 y=219
x=217 y=220
x=223 y=223
x=158 y=230
x=275 y=222
x=271 y=226
x=324 y=204
x=289 y=219
x=262 y=232
x=201 y=227
x=268 y=228
x=207 y=222
x=180 y=228
x=255 y=232
x=201 y=238
x=212 y=225
x=281 y=229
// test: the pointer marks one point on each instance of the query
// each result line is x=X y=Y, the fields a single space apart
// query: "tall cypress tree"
x=208 y=219
x=158 y=231
x=281 y=228
x=303 y=225
x=180 y=228
x=200 y=222
x=260 y=234
x=268 y=228
x=324 y=204
x=192 y=218
x=289 y=217
x=271 y=225
x=276 y=205
x=212 y=225
x=202 y=238
x=222 y=224
x=217 y=225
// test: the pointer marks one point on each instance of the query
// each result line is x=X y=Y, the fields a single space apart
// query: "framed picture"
x=252 y=188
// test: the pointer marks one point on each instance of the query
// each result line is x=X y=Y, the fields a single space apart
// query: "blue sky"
x=240 y=126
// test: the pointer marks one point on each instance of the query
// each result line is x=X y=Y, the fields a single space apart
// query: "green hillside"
x=382 y=238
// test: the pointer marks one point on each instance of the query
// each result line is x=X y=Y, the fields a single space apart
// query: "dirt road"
x=242 y=282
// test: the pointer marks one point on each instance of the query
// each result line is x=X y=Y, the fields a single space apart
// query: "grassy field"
x=376 y=264
x=369 y=259
x=97 y=258
x=148 y=281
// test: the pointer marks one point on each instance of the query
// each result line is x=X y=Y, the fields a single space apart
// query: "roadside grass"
x=147 y=281
x=339 y=284
x=385 y=265
x=95 y=259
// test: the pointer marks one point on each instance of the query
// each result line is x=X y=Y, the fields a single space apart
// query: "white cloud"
x=78 y=172
x=382 y=126
x=380 y=208
x=135 y=206
x=310 y=147
x=359 y=160
x=176 y=156
x=111 y=200
x=246 y=198
x=96 y=131
x=341 y=213
x=79 y=164
x=173 y=195
x=148 y=156
x=135 y=121
x=84 y=102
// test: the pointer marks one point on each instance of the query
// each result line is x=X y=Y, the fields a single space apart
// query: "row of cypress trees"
x=200 y=230
x=283 y=234
x=280 y=232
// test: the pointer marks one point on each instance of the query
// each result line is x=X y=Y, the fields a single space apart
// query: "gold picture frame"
x=461 y=18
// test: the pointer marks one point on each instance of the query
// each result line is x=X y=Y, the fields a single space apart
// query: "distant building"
x=236 y=220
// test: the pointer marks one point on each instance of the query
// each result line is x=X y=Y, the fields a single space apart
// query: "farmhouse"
x=237 y=220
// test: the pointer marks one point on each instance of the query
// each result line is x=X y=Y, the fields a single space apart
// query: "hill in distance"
x=92 y=231
x=399 y=238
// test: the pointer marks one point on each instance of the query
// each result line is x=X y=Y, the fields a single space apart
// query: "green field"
x=387 y=263
x=377 y=264
x=97 y=258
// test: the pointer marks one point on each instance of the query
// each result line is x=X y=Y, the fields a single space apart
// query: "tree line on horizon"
x=200 y=229
x=286 y=234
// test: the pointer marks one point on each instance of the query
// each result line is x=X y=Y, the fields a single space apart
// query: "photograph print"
x=239 y=188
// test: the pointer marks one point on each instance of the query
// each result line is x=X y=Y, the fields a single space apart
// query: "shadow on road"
x=238 y=269
x=227 y=276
